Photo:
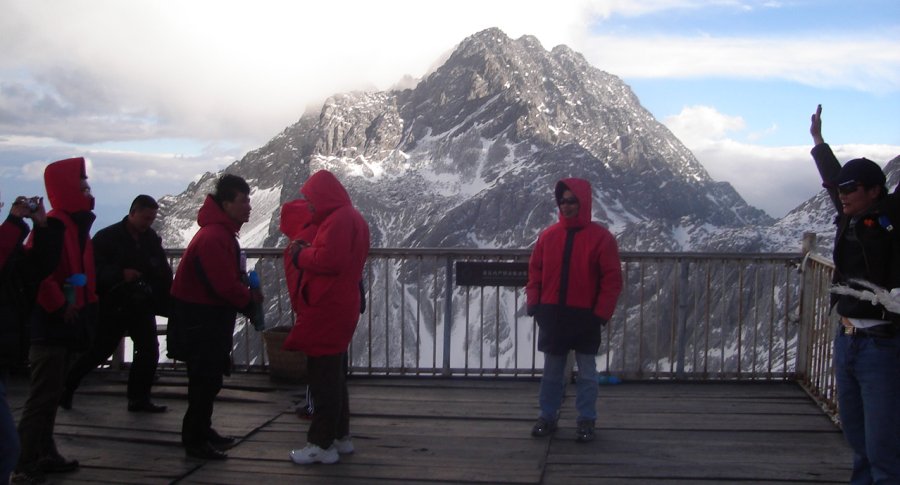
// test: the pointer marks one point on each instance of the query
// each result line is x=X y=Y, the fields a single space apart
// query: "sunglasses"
x=567 y=200
x=848 y=188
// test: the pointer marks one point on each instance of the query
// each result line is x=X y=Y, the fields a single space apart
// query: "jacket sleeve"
x=218 y=262
x=47 y=245
x=535 y=275
x=12 y=233
x=828 y=167
x=333 y=242
x=109 y=269
x=610 y=278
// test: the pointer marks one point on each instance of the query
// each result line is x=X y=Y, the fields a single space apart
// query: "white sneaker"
x=314 y=454
x=344 y=445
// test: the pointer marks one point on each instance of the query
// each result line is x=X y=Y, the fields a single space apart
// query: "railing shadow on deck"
x=685 y=316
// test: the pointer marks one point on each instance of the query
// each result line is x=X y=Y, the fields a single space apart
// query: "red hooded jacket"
x=63 y=183
x=295 y=223
x=328 y=307
x=594 y=277
x=210 y=272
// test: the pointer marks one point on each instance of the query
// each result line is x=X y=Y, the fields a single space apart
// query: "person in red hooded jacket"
x=21 y=271
x=209 y=289
x=574 y=281
x=63 y=318
x=328 y=311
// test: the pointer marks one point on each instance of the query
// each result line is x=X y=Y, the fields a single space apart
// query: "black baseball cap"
x=859 y=171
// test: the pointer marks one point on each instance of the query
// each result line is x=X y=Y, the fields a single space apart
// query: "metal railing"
x=681 y=315
x=819 y=324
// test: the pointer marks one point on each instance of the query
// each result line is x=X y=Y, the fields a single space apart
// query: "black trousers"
x=205 y=378
x=111 y=329
x=48 y=370
x=328 y=383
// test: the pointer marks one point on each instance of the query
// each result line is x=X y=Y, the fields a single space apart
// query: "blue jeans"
x=9 y=437
x=867 y=372
x=553 y=386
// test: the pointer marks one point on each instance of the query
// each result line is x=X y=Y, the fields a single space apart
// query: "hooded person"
x=63 y=318
x=21 y=271
x=209 y=289
x=295 y=222
x=574 y=281
x=328 y=311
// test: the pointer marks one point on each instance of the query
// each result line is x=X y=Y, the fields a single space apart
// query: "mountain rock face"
x=469 y=157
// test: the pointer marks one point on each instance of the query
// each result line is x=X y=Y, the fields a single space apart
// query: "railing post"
x=682 y=317
x=448 y=314
x=807 y=308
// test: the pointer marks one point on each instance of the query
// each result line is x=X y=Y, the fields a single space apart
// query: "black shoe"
x=543 y=427
x=204 y=451
x=57 y=464
x=146 y=407
x=28 y=476
x=65 y=401
x=220 y=442
x=585 y=431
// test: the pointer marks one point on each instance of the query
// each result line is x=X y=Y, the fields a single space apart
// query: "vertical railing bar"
x=640 y=362
x=625 y=306
x=723 y=316
x=497 y=331
x=756 y=302
x=402 y=325
x=387 y=317
x=706 y=348
x=448 y=313
x=419 y=284
x=467 y=342
x=659 y=314
x=772 y=315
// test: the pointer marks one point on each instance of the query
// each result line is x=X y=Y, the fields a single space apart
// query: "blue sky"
x=156 y=93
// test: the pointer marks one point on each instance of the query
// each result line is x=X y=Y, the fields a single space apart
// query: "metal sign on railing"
x=478 y=273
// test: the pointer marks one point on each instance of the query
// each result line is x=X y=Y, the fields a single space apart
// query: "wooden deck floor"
x=462 y=431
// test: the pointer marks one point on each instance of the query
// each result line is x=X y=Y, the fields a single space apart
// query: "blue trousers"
x=553 y=386
x=9 y=437
x=867 y=372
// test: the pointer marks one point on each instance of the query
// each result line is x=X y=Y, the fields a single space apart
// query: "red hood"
x=63 y=182
x=295 y=219
x=325 y=193
x=210 y=213
x=582 y=190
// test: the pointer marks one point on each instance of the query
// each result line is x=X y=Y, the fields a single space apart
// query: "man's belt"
x=887 y=330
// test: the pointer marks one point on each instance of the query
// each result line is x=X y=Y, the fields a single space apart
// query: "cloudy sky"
x=155 y=93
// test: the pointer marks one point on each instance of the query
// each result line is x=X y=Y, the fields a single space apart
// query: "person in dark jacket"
x=21 y=271
x=328 y=311
x=63 y=318
x=574 y=281
x=133 y=282
x=867 y=343
x=210 y=287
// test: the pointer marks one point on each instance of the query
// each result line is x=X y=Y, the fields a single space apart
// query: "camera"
x=33 y=203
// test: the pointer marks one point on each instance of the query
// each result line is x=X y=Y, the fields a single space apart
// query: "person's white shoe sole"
x=307 y=456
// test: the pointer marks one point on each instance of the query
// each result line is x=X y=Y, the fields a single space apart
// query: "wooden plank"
x=435 y=430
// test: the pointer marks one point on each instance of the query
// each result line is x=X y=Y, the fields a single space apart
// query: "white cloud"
x=775 y=179
x=855 y=61
x=698 y=125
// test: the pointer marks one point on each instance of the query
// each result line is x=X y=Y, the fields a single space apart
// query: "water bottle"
x=77 y=280
x=608 y=379
x=258 y=319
